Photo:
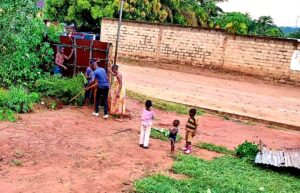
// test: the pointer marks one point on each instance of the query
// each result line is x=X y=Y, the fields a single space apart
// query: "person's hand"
x=65 y=67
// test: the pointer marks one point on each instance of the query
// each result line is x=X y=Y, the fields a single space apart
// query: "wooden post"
x=91 y=50
x=75 y=57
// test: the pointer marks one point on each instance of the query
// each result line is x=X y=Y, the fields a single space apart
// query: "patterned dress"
x=117 y=105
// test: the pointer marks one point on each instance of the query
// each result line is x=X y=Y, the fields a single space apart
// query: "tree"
x=145 y=10
x=266 y=27
x=22 y=49
x=234 y=22
x=295 y=35
x=87 y=14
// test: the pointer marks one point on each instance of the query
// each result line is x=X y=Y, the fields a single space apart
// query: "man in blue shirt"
x=100 y=75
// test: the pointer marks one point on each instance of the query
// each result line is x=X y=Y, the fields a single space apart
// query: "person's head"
x=61 y=49
x=148 y=104
x=176 y=123
x=192 y=113
x=92 y=62
x=115 y=68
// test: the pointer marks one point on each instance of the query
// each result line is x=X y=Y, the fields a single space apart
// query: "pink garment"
x=147 y=117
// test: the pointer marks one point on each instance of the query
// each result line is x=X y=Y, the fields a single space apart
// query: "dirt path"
x=70 y=151
x=254 y=98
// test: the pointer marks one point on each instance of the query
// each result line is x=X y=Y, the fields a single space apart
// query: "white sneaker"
x=184 y=149
x=188 y=151
x=95 y=114
x=105 y=117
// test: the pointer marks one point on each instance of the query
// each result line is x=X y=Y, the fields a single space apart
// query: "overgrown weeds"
x=223 y=174
x=18 y=100
x=215 y=148
x=63 y=89
x=164 y=105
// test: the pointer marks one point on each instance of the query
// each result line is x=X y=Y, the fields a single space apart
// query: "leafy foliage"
x=54 y=32
x=17 y=100
x=265 y=26
x=85 y=13
x=247 y=150
x=215 y=148
x=21 y=44
x=63 y=89
x=295 y=35
x=162 y=134
x=224 y=174
x=7 y=115
x=234 y=22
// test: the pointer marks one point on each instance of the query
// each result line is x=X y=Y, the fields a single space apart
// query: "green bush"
x=63 y=89
x=22 y=47
x=7 y=115
x=54 y=32
x=17 y=100
x=247 y=150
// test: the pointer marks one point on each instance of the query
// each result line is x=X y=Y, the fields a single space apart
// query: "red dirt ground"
x=68 y=150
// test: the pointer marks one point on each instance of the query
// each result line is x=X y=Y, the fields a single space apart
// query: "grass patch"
x=164 y=105
x=224 y=174
x=215 y=148
x=162 y=134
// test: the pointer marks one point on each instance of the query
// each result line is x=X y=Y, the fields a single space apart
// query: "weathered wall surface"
x=259 y=56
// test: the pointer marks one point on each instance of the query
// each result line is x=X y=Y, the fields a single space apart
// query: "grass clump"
x=247 y=150
x=224 y=174
x=164 y=105
x=215 y=148
x=63 y=89
x=162 y=134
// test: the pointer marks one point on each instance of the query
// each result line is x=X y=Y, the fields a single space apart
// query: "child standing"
x=191 y=128
x=147 y=118
x=89 y=76
x=173 y=134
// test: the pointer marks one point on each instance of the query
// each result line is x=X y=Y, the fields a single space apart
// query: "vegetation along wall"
x=259 y=56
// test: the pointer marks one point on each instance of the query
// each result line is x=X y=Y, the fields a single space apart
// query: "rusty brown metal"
x=85 y=50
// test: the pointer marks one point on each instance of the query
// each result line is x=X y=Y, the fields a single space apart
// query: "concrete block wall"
x=260 y=56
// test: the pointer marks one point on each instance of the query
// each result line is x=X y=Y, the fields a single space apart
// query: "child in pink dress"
x=147 y=118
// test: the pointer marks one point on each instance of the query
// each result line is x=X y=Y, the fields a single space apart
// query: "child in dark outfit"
x=173 y=134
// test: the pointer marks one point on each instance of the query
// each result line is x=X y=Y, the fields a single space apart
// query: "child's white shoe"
x=105 y=117
x=95 y=114
x=184 y=148
x=188 y=151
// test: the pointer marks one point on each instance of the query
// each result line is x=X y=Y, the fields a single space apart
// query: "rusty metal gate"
x=84 y=50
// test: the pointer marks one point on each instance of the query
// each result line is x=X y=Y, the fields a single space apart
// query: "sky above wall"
x=284 y=12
